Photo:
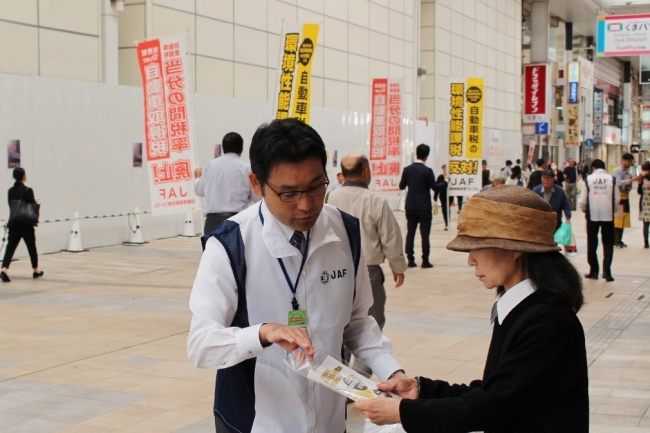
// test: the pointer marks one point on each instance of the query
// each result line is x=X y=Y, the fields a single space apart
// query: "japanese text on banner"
x=167 y=106
x=386 y=134
x=298 y=46
x=465 y=136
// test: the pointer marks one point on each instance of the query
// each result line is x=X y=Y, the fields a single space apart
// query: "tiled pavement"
x=98 y=344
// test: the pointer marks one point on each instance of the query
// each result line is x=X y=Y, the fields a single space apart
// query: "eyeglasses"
x=289 y=196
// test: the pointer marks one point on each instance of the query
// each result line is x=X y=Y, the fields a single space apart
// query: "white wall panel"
x=68 y=55
x=74 y=15
x=23 y=11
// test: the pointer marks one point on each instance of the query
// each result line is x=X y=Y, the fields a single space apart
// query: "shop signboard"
x=536 y=94
x=598 y=116
x=623 y=35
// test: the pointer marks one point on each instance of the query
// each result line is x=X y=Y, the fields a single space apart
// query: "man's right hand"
x=398 y=278
x=405 y=387
x=198 y=172
x=287 y=337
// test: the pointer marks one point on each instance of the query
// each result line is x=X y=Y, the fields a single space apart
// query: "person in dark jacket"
x=17 y=230
x=555 y=196
x=535 y=377
x=535 y=177
x=420 y=180
x=441 y=193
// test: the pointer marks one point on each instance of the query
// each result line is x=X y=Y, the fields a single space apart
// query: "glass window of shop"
x=611 y=110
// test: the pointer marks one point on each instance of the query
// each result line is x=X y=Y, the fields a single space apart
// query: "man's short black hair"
x=18 y=174
x=357 y=169
x=484 y=162
x=628 y=157
x=540 y=162
x=508 y=163
x=422 y=151
x=518 y=161
x=232 y=143
x=284 y=141
x=597 y=163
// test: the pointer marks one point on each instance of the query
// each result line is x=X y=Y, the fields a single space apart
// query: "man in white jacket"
x=599 y=200
x=287 y=260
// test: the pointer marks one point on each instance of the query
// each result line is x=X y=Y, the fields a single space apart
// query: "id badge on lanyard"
x=295 y=316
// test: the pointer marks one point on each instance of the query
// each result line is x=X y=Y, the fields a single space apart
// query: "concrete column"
x=540 y=16
x=109 y=42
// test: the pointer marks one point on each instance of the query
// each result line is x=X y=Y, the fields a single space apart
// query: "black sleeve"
x=431 y=179
x=437 y=193
x=542 y=365
x=403 y=181
x=29 y=196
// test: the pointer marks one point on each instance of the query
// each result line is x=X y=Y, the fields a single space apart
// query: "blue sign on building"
x=573 y=93
x=589 y=143
x=541 y=128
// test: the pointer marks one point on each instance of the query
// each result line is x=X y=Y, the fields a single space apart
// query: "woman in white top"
x=515 y=178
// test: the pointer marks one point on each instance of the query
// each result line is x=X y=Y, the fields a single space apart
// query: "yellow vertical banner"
x=301 y=107
x=287 y=70
x=474 y=107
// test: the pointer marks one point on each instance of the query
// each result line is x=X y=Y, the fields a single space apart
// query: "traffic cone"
x=572 y=248
x=136 y=232
x=188 y=231
x=74 y=245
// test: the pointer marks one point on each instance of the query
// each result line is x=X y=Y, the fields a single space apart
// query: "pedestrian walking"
x=644 y=193
x=420 y=181
x=19 y=228
x=571 y=173
x=624 y=180
x=555 y=196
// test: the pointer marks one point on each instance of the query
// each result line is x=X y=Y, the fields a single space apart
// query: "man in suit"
x=420 y=180
x=555 y=196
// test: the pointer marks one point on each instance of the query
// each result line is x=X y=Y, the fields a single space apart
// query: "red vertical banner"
x=168 y=107
x=386 y=134
x=536 y=93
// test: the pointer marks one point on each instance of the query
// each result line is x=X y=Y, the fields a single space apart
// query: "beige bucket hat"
x=507 y=217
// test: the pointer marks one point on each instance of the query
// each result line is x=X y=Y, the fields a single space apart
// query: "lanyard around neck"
x=292 y=287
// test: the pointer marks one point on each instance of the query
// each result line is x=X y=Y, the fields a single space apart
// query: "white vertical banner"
x=386 y=134
x=169 y=122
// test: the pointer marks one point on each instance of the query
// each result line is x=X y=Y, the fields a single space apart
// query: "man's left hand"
x=380 y=411
x=398 y=278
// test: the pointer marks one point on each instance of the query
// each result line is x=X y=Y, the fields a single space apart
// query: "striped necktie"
x=298 y=241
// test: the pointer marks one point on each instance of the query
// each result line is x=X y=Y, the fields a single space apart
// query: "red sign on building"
x=536 y=104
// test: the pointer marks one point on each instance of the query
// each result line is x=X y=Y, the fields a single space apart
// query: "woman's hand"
x=380 y=411
x=403 y=386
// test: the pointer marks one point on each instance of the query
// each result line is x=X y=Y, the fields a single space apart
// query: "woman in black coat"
x=441 y=193
x=535 y=377
x=17 y=230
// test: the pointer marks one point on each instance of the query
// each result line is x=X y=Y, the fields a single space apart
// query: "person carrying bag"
x=23 y=217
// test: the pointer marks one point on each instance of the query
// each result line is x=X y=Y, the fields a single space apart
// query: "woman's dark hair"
x=284 y=141
x=553 y=273
x=232 y=143
x=646 y=167
x=516 y=172
x=19 y=174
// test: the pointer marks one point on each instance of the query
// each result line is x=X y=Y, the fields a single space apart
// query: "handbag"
x=24 y=213
x=563 y=234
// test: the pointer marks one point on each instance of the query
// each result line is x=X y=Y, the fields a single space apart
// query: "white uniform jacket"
x=260 y=394
x=599 y=199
